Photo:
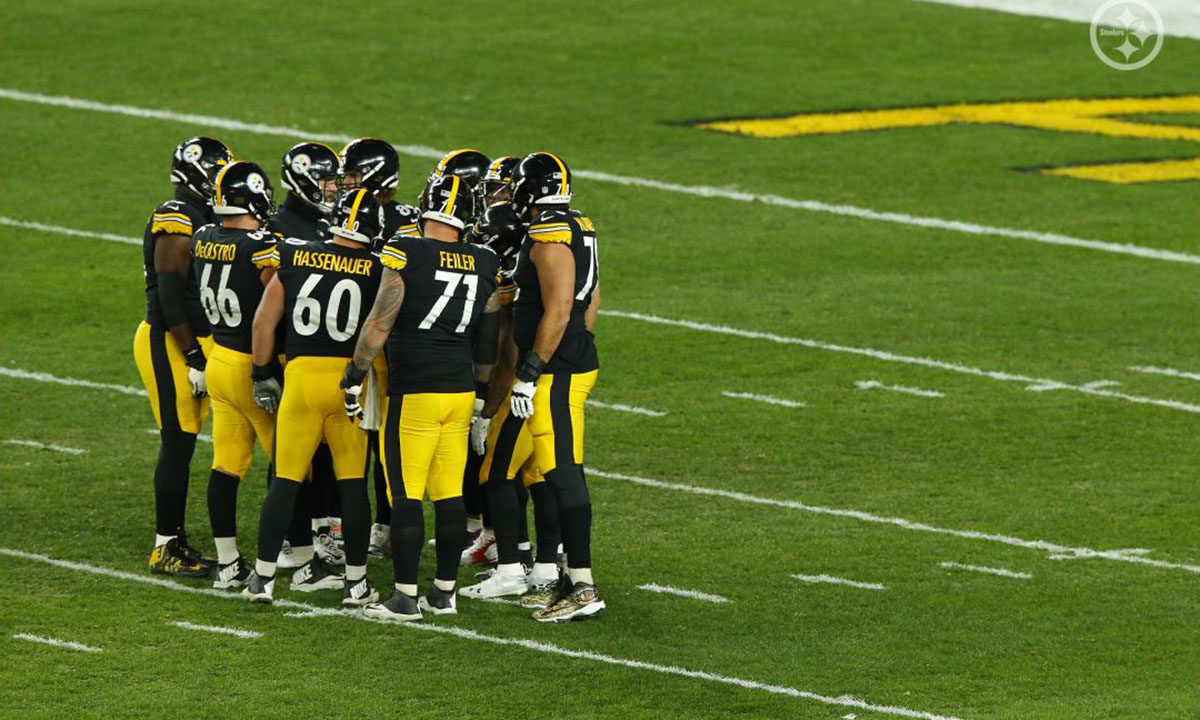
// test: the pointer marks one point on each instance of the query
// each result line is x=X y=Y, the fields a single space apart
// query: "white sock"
x=409 y=590
x=545 y=571
x=227 y=550
x=474 y=524
x=444 y=585
x=163 y=539
x=559 y=551
x=264 y=569
x=510 y=569
x=302 y=553
x=355 y=572
x=580 y=575
x=524 y=545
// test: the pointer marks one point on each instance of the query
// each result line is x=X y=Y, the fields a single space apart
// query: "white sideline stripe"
x=201 y=436
x=58 y=643
x=1038 y=383
x=839 y=581
x=1172 y=372
x=696 y=190
x=1041 y=545
x=841 y=700
x=4 y=220
x=875 y=384
x=47 y=377
x=989 y=570
x=236 y=632
x=626 y=408
x=768 y=399
x=44 y=446
x=693 y=594
x=1181 y=18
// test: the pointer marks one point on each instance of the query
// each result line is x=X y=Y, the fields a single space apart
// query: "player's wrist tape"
x=353 y=375
x=531 y=367
x=195 y=357
x=261 y=372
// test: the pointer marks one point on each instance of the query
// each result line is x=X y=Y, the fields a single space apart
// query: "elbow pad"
x=487 y=336
x=172 y=291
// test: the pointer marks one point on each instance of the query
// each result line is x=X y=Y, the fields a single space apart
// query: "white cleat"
x=287 y=558
x=499 y=584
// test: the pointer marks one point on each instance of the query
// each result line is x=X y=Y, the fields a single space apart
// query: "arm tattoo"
x=379 y=322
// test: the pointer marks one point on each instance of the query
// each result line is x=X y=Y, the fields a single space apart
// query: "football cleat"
x=287 y=558
x=357 y=593
x=497 y=585
x=580 y=603
x=543 y=592
x=398 y=608
x=259 y=589
x=381 y=541
x=316 y=574
x=481 y=552
x=169 y=559
x=193 y=554
x=469 y=538
x=232 y=576
x=438 y=602
x=327 y=549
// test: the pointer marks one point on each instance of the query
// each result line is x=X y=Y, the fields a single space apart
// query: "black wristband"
x=195 y=357
x=353 y=375
x=481 y=390
x=262 y=372
x=531 y=367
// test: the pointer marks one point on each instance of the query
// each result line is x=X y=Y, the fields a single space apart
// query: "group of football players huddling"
x=451 y=341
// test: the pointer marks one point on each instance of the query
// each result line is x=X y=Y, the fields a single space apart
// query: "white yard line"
x=70 y=645
x=47 y=377
x=989 y=570
x=839 y=581
x=1039 y=545
x=1030 y=382
x=1181 y=18
x=44 y=446
x=235 y=632
x=626 y=408
x=542 y=647
x=693 y=594
x=768 y=399
x=1170 y=372
x=69 y=231
x=955 y=226
x=876 y=385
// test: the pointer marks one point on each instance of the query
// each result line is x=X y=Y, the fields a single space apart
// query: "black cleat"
x=438 y=602
x=316 y=574
x=259 y=589
x=193 y=554
x=398 y=608
x=232 y=576
x=357 y=593
x=169 y=559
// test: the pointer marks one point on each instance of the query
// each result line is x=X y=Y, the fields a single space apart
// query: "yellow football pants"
x=312 y=411
x=164 y=373
x=423 y=441
x=237 y=421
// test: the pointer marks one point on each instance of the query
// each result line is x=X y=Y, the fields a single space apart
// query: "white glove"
x=479 y=433
x=352 y=386
x=522 y=398
x=199 y=386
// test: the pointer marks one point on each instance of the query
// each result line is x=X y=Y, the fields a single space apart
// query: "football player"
x=322 y=291
x=469 y=165
x=169 y=346
x=497 y=181
x=231 y=262
x=311 y=171
x=432 y=299
x=556 y=274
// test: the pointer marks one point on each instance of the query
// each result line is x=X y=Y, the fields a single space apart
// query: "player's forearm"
x=379 y=322
x=505 y=368
x=263 y=339
x=370 y=342
x=551 y=328
x=589 y=319
x=173 y=303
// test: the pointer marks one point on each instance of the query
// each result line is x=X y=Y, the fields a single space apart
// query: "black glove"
x=196 y=363
x=352 y=386
x=267 y=389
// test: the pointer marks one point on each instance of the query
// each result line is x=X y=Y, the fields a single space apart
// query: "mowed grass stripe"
x=816 y=206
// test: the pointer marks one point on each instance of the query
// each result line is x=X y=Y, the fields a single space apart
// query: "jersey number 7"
x=452 y=280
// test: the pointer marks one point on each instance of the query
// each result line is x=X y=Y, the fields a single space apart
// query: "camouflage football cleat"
x=170 y=559
x=581 y=603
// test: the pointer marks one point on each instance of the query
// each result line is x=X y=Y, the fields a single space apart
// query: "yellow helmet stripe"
x=217 y=183
x=441 y=166
x=454 y=183
x=358 y=198
x=562 y=188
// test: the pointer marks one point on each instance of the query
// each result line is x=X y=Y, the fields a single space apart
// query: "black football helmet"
x=196 y=161
x=374 y=160
x=308 y=166
x=243 y=188
x=449 y=200
x=541 y=178
x=500 y=229
x=470 y=165
x=497 y=181
x=358 y=216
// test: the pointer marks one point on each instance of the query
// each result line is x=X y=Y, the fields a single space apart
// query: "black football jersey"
x=181 y=216
x=402 y=220
x=297 y=219
x=446 y=286
x=328 y=291
x=227 y=265
x=576 y=351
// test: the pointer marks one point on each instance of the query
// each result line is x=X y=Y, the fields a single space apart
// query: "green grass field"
x=1043 y=430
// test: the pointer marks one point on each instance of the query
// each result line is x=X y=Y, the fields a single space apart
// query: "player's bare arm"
x=173 y=262
x=589 y=318
x=266 y=319
x=488 y=323
x=556 y=278
x=380 y=320
x=505 y=368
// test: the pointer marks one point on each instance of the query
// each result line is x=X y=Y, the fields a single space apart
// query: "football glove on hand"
x=196 y=363
x=267 y=389
x=525 y=386
x=479 y=429
x=352 y=386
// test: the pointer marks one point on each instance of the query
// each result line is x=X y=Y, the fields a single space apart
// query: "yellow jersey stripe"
x=173 y=216
x=170 y=227
x=557 y=236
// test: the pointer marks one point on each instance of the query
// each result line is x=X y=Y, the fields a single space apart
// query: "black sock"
x=356 y=519
x=275 y=517
x=222 y=503
x=299 y=532
x=472 y=492
x=502 y=499
x=450 y=526
x=322 y=483
x=408 y=535
x=522 y=511
x=545 y=521
x=171 y=480
x=575 y=513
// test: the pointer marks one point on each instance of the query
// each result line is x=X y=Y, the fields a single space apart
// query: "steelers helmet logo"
x=301 y=163
x=192 y=152
x=256 y=183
